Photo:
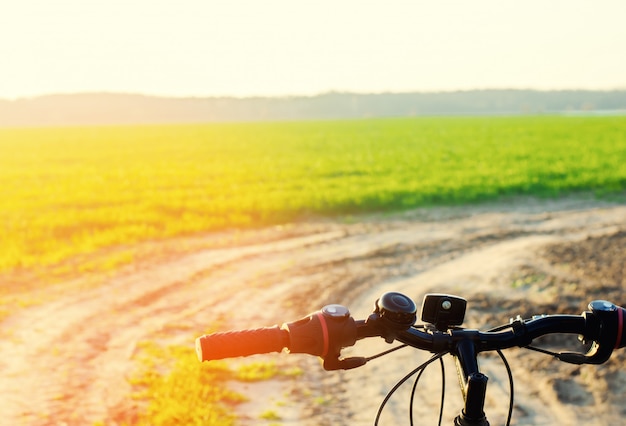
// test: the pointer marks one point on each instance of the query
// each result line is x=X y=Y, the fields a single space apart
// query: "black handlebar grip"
x=241 y=343
x=621 y=328
x=607 y=330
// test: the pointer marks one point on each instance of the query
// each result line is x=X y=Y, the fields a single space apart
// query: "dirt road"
x=66 y=361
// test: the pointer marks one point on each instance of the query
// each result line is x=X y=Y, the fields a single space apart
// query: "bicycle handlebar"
x=241 y=343
x=325 y=332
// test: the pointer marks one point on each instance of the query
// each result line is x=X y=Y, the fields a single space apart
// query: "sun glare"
x=278 y=47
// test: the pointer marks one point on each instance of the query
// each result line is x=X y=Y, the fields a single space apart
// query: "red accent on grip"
x=241 y=343
x=324 y=333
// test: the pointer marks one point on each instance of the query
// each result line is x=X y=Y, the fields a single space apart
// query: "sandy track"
x=67 y=361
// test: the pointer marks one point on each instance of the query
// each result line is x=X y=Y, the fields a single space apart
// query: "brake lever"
x=336 y=363
x=602 y=329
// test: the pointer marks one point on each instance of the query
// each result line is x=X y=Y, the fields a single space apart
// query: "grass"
x=269 y=415
x=173 y=388
x=257 y=371
x=70 y=192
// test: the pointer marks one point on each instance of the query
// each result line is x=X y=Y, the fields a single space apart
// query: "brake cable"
x=443 y=392
x=432 y=359
x=385 y=352
x=543 y=351
x=511 y=391
x=421 y=368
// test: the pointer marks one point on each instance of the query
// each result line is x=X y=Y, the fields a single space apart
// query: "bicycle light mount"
x=443 y=310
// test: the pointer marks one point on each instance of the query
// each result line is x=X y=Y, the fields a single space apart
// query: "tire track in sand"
x=67 y=361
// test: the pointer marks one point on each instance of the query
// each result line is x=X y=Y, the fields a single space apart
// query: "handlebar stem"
x=465 y=352
x=474 y=383
x=473 y=414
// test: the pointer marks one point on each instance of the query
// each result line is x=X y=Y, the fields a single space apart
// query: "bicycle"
x=326 y=332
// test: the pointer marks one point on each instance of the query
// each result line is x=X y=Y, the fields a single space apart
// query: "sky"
x=242 y=48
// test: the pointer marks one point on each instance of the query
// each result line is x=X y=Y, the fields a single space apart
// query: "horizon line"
x=301 y=95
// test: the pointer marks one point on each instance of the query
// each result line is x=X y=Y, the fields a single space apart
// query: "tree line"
x=113 y=108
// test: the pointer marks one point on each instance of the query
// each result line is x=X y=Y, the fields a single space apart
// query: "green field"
x=83 y=199
x=68 y=192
